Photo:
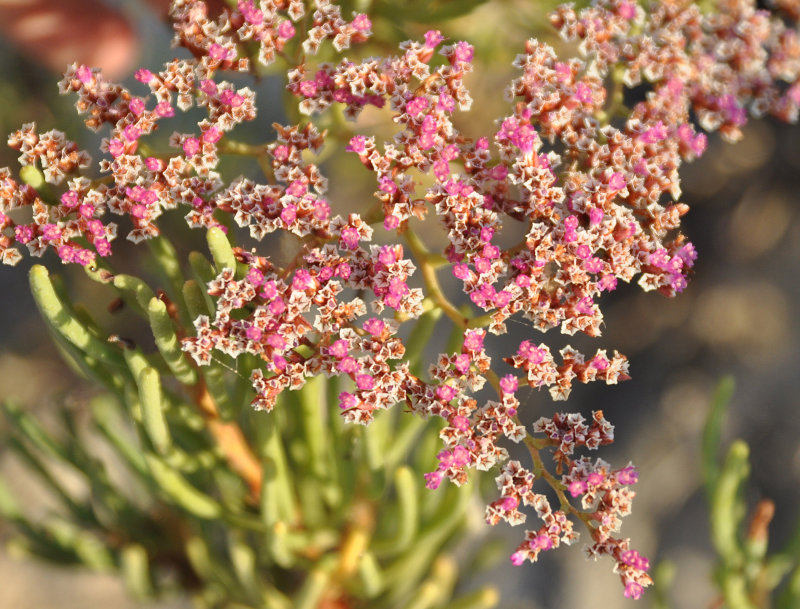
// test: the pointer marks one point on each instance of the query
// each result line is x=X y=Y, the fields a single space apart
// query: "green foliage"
x=205 y=496
x=747 y=575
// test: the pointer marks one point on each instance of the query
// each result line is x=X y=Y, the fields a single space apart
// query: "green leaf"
x=221 y=249
x=65 y=322
x=167 y=342
x=407 y=520
x=167 y=264
x=153 y=419
x=135 y=569
x=727 y=506
x=180 y=491
x=713 y=431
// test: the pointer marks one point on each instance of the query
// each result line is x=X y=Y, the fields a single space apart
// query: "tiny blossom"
x=254 y=333
x=191 y=146
x=116 y=147
x=338 y=349
x=627 y=475
x=286 y=30
x=361 y=22
x=509 y=383
x=164 y=109
x=473 y=340
x=137 y=106
x=374 y=326
x=144 y=75
x=212 y=135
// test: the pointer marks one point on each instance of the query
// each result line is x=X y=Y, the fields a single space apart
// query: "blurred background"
x=737 y=317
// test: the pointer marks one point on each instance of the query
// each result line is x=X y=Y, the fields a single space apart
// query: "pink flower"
x=461 y=456
x=116 y=147
x=231 y=98
x=635 y=560
x=509 y=503
x=276 y=307
x=365 y=382
x=255 y=276
x=459 y=422
x=51 y=232
x=23 y=233
x=541 y=542
x=391 y=222
x=279 y=362
x=136 y=106
x=321 y=209
x=253 y=333
x=654 y=134
x=416 y=105
x=251 y=14
x=191 y=146
x=433 y=480
x=218 y=52
x=208 y=86
x=131 y=133
x=463 y=52
x=350 y=237
x=164 y=110
x=361 y=23
x=84 y=74
x=297 y=188
x=626 y=9
x=583 y=93
x=509 y=383
x=445 y=393
x=286 y=30
x=338 y=349
x=308 y=88
x=387 y=255
x=143 y=75
x=595 y=479
x=302 y=281
x=347 y=400
x=633 y=590
x=357 y=144
x=462 y=363
x=276 y=341
x=627 y=475
x=289 y=214
x=280 y=153
x=69 y=198
x=576 y=487
x=269 y=290
x=433 y=38
x=102 y=246
x=617 y=181
x=374 y=326
x=212 y=135
x=348 y=365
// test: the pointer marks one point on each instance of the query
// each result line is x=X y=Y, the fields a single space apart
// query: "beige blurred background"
x=738 y=316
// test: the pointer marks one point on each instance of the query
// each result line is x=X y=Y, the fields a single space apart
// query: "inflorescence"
x=595 y=184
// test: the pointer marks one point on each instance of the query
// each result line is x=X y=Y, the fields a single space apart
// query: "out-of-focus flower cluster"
x=594 y=184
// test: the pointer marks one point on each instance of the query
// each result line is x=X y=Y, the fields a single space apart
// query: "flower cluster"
x=594 y=185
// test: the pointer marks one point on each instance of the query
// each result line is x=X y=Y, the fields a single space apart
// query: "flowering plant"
x=589 y=185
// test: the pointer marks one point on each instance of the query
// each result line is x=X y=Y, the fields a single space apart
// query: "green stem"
x=428 y=269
